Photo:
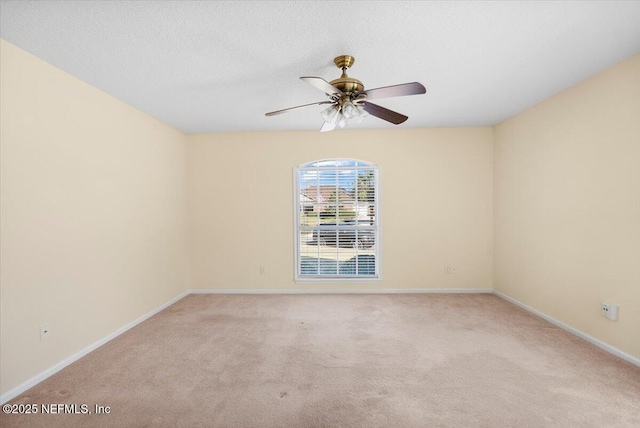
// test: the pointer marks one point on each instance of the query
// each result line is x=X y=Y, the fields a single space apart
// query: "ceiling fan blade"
x=273 y=113
x=413 y=88
x=383 y=113
x=322 y=84
x=327 y=126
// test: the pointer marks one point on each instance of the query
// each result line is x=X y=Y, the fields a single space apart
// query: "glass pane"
x=308 y=209
x=366 y=186
x=334 y=250
x=346 y=196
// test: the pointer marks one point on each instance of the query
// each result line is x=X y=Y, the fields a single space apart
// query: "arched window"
x=336 y=221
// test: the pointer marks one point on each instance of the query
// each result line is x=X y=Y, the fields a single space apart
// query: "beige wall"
x=435 y=196
x=93 y=216
x=567 y=205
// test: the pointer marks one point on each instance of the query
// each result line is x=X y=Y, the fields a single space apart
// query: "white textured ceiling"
x=219 y=66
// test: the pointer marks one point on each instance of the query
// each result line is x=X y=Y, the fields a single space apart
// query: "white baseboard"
x=615 y=351
x=340 y=291
x=64 y=363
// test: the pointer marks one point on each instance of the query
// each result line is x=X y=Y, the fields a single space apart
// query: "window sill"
x=334 y=280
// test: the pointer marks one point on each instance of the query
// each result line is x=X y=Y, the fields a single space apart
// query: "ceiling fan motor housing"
x=347 y=84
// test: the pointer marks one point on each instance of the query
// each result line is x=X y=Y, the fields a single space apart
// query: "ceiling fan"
x=349 y=100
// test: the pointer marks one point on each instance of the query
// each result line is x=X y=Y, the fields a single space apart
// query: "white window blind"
x=336 y=221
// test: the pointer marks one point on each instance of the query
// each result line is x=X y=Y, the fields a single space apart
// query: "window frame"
x=300 y=278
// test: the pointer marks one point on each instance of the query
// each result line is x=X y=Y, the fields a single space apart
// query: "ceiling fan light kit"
x=349 y=100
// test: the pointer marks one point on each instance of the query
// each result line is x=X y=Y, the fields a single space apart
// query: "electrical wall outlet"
x=609 y=310
x=44 y=332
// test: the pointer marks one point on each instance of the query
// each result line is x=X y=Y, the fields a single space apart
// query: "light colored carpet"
x=344 y=361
